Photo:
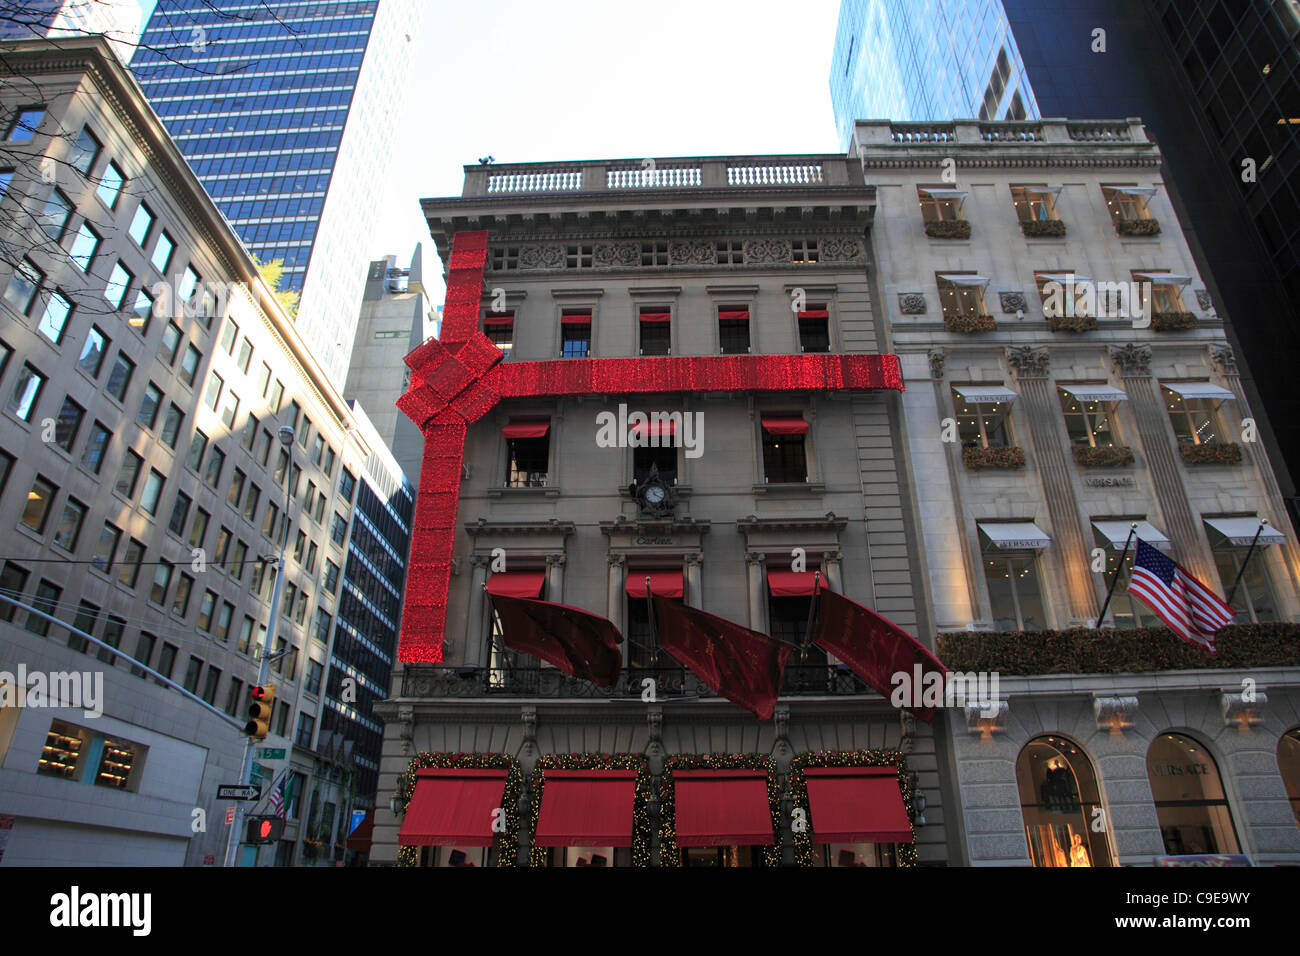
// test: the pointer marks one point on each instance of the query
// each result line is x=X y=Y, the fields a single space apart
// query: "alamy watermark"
x=1102 y=300
x=83 y=689
x=955 y=689
x=637 y=429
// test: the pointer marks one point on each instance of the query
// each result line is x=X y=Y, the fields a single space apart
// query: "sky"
x=603 y=79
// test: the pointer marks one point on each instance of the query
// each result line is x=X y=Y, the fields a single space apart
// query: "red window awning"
x=814 y=314
x=722 y=808
x=784 y=425
x=790 y=583
x=453 y=808
x=857 y=805
x=656 y=316
x=587 y=808
x=499 y=318
x=526 y=429
x=575 y=318
x=733 y=315
x=664 y=583
x=517 y=584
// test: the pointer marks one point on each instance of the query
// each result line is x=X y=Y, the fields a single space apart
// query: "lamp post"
x=264 y=670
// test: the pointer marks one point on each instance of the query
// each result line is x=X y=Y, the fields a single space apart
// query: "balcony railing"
x=433 y=680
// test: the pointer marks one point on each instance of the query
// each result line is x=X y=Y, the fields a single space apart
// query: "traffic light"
x=264 y=830
x=259 y=711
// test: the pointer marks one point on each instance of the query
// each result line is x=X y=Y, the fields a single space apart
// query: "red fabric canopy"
x=785 y=425
x=586 y=808
x=814 y=314
x=499 y=318
x=663 y=583
x=722 y=808
x=520 y=584
x=857 y=805
x=575 y=318
x=526 y=429
x=791 y=583
x=577 y=642
x=452 y=808
x=656 y=316
x=730 y=314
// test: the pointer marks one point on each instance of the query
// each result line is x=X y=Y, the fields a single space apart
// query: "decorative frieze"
x=768 y=250
x=1224 y=358
x=911 y=303
x=615 y=254
x=936 y=357
x=1131 y=359
x=1029 y=362
x=1204 y=301
x=1012 y=302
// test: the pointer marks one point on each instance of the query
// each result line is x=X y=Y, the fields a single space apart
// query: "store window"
x=961 y=295
x=858 y=854
x=788 y=622
x=785 y=455
x=1013 y=579
x=939 y=204
x=1191 y=804
x=722 y=856
x=1196 y=420
x=815 y=330
x=1060 y=802
x=588 y=856
x=528 y=453
x=1254 y=600
x=1087 y=422
x=499 y=327
x=575 y=333
x=1288 y=765
x=1036 y=203
x=733 y=330
x=1128 y=202
x=656 y=331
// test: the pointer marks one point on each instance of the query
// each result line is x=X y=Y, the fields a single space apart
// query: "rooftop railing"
x=883 y=134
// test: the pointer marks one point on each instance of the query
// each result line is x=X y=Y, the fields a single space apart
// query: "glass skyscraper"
x=287 y=112
x=926 y=60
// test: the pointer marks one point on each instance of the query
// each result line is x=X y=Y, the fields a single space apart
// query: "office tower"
x=926 y=59
x=288 y=113
x=118 y=20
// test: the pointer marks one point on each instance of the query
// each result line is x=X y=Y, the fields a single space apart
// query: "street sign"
x=263 y=830
x=270 y=753
x=234 y=791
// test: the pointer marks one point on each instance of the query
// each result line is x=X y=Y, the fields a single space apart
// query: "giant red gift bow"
x=459 y=378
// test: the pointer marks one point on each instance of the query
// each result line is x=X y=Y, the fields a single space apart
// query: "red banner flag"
x=873 y=647
x=578 y=643
x=743 y=666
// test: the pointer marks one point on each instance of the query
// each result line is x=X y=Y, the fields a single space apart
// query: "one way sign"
x=234 y=791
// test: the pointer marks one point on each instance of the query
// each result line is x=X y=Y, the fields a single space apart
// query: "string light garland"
x=641 y=827
x=507 y=843
x=803 y=842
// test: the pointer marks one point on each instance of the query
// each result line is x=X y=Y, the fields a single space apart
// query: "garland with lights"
x=506 y=843
x=803 y=845
x=640 y=802
x=668 y=851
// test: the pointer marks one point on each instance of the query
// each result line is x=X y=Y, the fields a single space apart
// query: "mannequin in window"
x=1078 y=852
x=1058 y=793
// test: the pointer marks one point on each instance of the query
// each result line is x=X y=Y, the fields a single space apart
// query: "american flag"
x=277 y=801
x=1184 y=603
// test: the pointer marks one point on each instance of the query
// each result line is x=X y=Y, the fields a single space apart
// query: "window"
x=153 y=486
x=300 y=546
x=245 y=634
x=236 y=487
x=1059 y=800
x=180 y=513
x=210 y=682
x=190 y=364
x=199 y=529
x=245 y=355
x=230 y=410
x=198 y=446
x=192 y=673
x=206 y=607
x=24 y=124
x=264 y=448
x=23 y=285
x=1126 y=611
x=141 y=223
x=499 y=328
x=250 y=502
x=286 y=608
x=1087 y=423
x=167 y=660
x=45 y=600
x=733 y=330
x=87 y=616
x=814 y=329
x=310 y=564
x=13 y=581
x=142 y=312
x=69 y=527
x=171 y=343
x=575 y=333
x=528 y=452
x=982 y=424
x=331 y=576
x=264 y=380
x=181 y=596
x=84 y=247
x=93 y=455
x=119 y=281
x=505 y=257
x=319 y=513
x=251 y=425
x=656 y=331
x=68 y=424
x=295 y=479
x=110 y=185
x=229 y=334
x=54 y=217
x=223 y=546
x=116 y=762
x=162 y=252
x=162 y=579
x=172 y=425
x=281 y=718
x=188 y=286
x=642 y=647
x=784 y=455
x=1165 y=296
x=36 y=511
x=730 y=253
x=277 y=397
x=295 y=412
x=223 y=621
x=340 y=529
x=661 y=460
x=1036 y=203
x=239 y=560
x=212 y=394
x=92 y=353
x=577 y=257
x=63 y=750
x=129 y=570
x=1191 y=805
x=84 y=151
x=1254 y=600
x=803 y=251
x=234 y=697
x=119 y=379
x=144 y=646
x=959 y=298
x=1195 y=420
x=268 y=524
x=1014 y=590
x=788 y=621
x=55 y=317
x=315 y=671
x=347 y=486
x=149 y=406
x=940 y=204
x=106 y=548
x=1127 y=202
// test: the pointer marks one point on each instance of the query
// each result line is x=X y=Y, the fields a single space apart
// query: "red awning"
x=733 y=315
x=656 y=427
x=722 y=808
x=575 y=318
x=587 y=808
x=814 y=314
x=517 y=584
x=360 y=838
x=663 y=583
x=656 y=316
x=857 y=805
x=533 y=429
x=453 y=808
x=785 y=426
x=791 y=583
x=499 y=318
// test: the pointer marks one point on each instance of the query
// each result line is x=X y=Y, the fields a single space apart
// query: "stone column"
x=755 y=563
x=614 y=599
x=1070 y=551
x=691 y=578
x=555 y=578
x=831 y=577
x=1134 y=365
x=477 y=629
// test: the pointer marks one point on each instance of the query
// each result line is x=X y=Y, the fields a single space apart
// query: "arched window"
x=1061 y=804
x=1191 y=804
x=1288 y=765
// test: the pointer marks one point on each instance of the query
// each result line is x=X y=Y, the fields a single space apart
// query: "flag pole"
x=1132 y=529
x=812 y=613
x=492 y=637
x=1246 y=561
x=650 y=611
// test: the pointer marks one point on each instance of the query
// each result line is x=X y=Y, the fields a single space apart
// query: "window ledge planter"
x=1211 y=454
x=948 y=229
x=1138 y=227
x=1042 y=228
x=968 y=324
x=977 y=459
x=1173 y=321
x=1072 y=323
x=1103 y=457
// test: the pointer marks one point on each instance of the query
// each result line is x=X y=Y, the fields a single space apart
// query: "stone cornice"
x=753 y=524
x=507 y=528
x=651 y=526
